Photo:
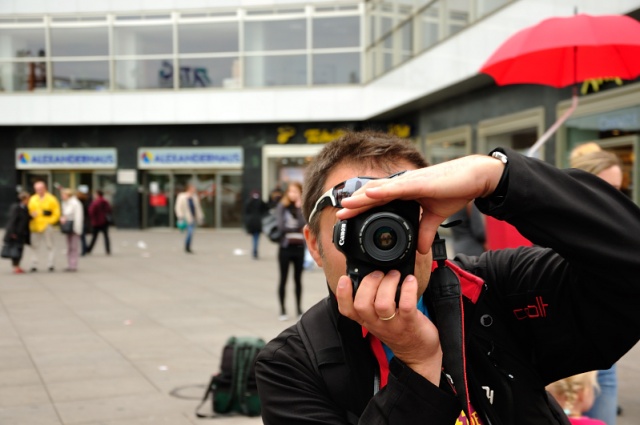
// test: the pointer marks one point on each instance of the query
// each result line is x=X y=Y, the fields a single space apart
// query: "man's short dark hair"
x=362 y=149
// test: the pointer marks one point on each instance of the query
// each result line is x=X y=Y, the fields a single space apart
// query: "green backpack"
x=234 y=388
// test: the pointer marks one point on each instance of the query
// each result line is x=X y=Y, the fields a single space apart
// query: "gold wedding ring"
x=388 y=318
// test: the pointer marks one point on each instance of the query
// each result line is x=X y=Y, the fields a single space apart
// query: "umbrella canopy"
x=562 y=51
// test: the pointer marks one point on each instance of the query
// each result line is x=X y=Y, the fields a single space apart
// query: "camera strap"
x=446 y=310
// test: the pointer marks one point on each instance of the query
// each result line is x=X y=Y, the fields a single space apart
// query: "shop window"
x=265 y=71
x=144 y=74
x=209 y=72
x=518 y=131
x=143 y=40
x=275 y=35
x=80 y=75
x=336 y=68
x=212 y=37
x=336 y=32
x=22 y=76
x=22 y=42
x=448 y=144
x=84 y=41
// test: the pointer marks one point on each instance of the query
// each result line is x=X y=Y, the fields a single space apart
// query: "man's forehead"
x=347 y=171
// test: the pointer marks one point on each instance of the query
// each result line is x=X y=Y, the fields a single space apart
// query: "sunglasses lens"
x=348 y=188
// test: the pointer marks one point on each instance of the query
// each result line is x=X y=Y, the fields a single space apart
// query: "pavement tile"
x=17 y=377
x=40 y=414
x=124 y=407
x=22 y=395
x=97 y=388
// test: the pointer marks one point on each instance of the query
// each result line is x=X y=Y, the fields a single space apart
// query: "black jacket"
x=17 y=228
x=254 y=210
x=564 y=306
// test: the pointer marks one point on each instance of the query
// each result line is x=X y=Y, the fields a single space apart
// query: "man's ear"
x=312 y=245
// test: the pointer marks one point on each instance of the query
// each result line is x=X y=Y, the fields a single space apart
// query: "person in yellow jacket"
x=44 y=209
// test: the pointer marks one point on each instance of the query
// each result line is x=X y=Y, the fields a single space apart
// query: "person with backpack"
x=474 y=339
x=100 y=215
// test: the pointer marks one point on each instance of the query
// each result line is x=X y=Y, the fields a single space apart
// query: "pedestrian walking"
x=44 y=209
x=189 y=211
x=72 y=224
x=17 y=233
x=291 y=247
x=255 y=208
x=100 y=213
x=85 y=200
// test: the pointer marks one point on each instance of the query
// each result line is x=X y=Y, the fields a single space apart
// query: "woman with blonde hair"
x=575 y=395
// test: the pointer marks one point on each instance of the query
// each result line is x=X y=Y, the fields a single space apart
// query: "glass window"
x=336 y=32
x=485 y=7
x=430 y=26
x=406 y=40
x=208 y=38
x=143 y=40
x=22 y=76
x=275 y=35
x=336 y=68
x=82 y=75
x=459 y=15
x=144 y=74
x=80 y=41
x=209 y=72
x=18 y=43
x=264 y=71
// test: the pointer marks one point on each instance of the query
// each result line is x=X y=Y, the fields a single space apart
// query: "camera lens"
x=385 y=237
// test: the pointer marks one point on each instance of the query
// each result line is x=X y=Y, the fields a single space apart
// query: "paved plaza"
x=133 y=338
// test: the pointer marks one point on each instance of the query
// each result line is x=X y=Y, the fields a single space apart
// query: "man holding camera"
x=511 y=322
x=44 y=209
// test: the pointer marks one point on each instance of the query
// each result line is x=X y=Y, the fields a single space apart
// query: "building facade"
x=138 y=98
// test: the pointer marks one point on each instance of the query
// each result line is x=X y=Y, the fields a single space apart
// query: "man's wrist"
x=496 y=196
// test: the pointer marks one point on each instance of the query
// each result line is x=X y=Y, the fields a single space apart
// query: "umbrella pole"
x=541 y=141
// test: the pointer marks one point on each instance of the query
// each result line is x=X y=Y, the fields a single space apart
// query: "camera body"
x=383 y=238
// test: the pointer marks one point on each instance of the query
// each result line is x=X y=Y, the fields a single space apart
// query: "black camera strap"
x=445 y=308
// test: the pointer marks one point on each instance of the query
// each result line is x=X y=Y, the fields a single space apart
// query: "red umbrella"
x=563 y=51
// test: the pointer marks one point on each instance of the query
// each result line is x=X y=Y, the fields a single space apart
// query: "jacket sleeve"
x=55 y=210
x=78 y=217
x=571 y=299
x=11 y=227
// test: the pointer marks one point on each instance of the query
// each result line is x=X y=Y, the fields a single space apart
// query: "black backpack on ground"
x=234 y=388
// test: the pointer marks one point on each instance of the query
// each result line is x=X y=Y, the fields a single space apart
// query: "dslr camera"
x=383 y=238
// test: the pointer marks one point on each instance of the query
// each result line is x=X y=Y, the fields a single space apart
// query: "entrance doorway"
x=219 y=193
x=86 y=181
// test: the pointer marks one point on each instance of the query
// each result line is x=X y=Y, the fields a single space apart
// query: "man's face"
x=322 y=248
x=40 y=188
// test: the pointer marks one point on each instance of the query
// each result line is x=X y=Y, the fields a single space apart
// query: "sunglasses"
x=334 y=196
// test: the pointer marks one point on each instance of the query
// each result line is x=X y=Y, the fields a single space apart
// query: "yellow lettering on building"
x=595 y=83
x=400 y=130
x=317 y=135
x=285 y=133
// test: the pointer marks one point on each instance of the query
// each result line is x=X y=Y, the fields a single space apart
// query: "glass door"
x=158 y=191
x=107 y=184
x=230 y=196
x=206 y=187
x=30 y=177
